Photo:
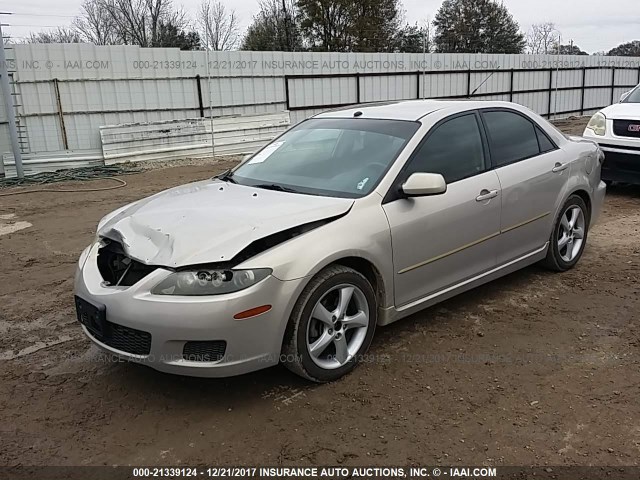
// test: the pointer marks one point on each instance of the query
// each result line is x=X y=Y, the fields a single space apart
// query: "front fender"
x=363 y=233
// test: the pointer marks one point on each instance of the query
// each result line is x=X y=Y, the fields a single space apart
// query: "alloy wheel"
x=338 y=326
x=571 y=233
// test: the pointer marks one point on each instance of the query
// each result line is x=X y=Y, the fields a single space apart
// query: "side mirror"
x=624 y=95
x=423 y=184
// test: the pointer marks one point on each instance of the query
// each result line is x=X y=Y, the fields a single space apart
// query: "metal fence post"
x=550 y=92
x=200 y=104
x=287 y=98
x=613 y=84
x=63 y=128
x=582 y=91
x=8 y=101
x=511 y=86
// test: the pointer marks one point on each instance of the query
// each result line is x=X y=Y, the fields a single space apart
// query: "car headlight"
x=598 y=124
x=209 y=282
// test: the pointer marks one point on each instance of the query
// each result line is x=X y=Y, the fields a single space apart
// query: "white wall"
x=123 y=84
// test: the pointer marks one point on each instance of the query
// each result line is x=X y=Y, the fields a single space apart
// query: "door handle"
x=560 y=167
x=486 y=195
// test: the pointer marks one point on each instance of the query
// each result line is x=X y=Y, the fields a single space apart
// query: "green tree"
x=477 y=26
x=276 y=27
x=170 y=35
x=631 y=49
x=325 y=24
x=374 y=25
x=567 y=50
x=350 y=25
x=413 y=39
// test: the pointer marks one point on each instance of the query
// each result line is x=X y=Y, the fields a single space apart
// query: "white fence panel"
x=596 y=97
x=595 y=78
x=444 y=84
x=323 y=91
x=495 y=82
x=538 y=102
x=387 y=87
x=188 y=138
x=567 y=78
x=70 y=91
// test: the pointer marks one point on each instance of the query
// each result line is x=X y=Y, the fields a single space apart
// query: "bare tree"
x=219 y=27
x=59 y=35
x=138 y=22
x=542 y=38
x=96 y=25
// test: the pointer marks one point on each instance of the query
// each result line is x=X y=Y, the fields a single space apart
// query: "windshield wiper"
x=276 y=187
x=226 y=176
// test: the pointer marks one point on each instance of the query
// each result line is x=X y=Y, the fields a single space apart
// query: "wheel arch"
x=371 y=273
x=586 y=198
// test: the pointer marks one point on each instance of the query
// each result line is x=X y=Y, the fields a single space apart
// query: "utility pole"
x=424 y=63
x=8 y=101
x=555 y=103
x=286 y=26
x=213 y=137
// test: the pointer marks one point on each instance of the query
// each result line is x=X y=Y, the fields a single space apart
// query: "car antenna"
x=357 y=114
x=483 y=82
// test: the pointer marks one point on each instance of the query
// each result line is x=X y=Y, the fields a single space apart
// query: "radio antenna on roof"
x=483 y=82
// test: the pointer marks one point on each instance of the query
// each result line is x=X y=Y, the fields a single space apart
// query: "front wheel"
x=569 y=236
x=331 y=325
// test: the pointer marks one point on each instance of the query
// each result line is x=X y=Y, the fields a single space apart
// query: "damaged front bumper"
x=195 y=336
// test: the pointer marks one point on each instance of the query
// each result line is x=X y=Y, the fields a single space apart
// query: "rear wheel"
x=331 y=326
x=569 y=236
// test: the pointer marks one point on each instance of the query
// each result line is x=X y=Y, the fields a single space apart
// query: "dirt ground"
x=534 y=369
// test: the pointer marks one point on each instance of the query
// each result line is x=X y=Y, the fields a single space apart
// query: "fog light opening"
x=253 y=312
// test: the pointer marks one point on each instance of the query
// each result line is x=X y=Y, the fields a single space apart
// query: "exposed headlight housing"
x=209 y=282
x=598 y=124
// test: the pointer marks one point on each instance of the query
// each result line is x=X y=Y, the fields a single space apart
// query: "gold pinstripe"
x=472 y=244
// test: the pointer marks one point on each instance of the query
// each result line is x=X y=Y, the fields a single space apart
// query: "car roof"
x=411 y=110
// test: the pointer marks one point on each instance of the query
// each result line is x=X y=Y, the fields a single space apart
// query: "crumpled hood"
x=622 y=111
x=211 y=221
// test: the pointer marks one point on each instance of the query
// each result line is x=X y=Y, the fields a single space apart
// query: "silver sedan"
x=352 y=219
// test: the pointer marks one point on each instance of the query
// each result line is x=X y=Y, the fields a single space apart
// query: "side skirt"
x=393 y=314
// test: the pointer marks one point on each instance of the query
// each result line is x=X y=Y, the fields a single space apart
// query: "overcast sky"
x=593 y=25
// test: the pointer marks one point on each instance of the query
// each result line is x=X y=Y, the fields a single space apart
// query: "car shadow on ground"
x=624 y=190
x=458 y=305
x=277 y=383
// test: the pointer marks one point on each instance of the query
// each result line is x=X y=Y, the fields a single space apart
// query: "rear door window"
x=511 y=137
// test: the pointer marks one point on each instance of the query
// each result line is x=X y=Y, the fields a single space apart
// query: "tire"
x=329 y=330
x=562 y=258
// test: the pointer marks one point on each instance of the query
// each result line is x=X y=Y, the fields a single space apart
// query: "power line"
x=29 y=25
x=39 y=15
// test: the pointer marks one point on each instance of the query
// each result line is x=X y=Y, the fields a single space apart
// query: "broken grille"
x=117 y=269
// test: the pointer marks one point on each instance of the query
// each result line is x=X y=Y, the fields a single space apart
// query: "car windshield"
x=340 y=157
x=633 y=97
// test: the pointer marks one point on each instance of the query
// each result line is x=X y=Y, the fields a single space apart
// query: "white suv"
x=617 y=130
